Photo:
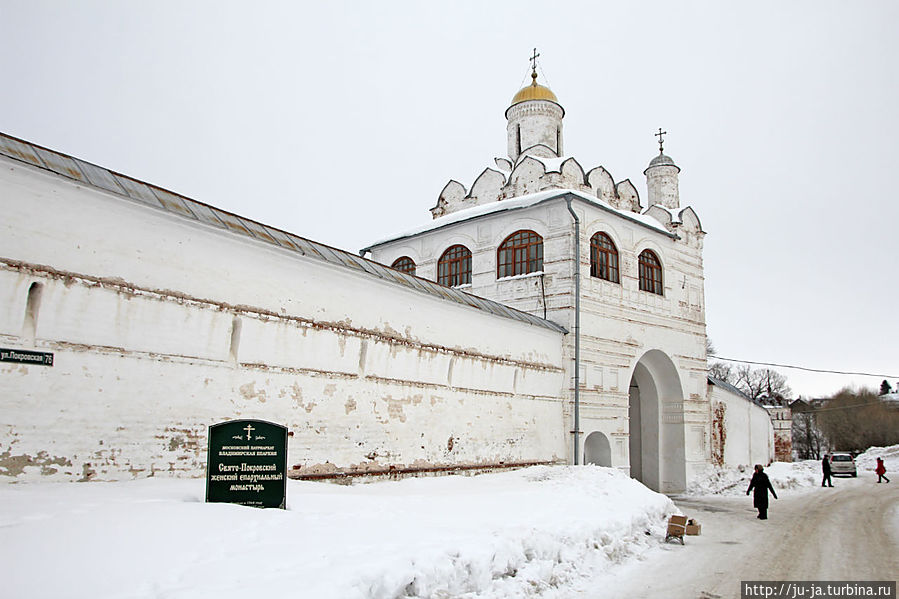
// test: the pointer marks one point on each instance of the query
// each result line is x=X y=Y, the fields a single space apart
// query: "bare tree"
x=808 y=439
x=722 y=371
x=856 y=420
x=761 y=382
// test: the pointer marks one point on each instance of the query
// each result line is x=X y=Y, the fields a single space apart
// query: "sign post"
x=247 y=463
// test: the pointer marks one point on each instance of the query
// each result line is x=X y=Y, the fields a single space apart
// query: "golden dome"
x=534 y=92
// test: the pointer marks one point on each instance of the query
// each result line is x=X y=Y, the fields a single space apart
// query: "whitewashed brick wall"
x=139 y=305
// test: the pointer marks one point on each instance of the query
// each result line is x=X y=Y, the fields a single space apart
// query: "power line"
x=885 y=376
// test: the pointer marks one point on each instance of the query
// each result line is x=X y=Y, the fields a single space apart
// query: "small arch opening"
x=32 y=308
x=236 y=326
x=597 y=449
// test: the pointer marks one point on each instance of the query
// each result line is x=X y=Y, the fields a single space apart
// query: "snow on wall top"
x=518 y=203
x=184 y=207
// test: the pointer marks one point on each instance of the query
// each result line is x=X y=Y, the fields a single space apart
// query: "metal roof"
x=727 y=386
x=184 y=207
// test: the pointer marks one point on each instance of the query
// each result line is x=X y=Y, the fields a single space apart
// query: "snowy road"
x=850 y=532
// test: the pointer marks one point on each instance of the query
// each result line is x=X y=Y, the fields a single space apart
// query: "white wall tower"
x=661 y=179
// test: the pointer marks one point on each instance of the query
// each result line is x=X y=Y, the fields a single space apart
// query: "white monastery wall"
x=162 y=326
x=745 y=434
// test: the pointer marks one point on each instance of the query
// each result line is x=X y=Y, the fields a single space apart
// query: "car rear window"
x=842 y=458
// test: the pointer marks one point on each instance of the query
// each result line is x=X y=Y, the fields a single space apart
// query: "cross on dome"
x=659 y=135
x=534 y=91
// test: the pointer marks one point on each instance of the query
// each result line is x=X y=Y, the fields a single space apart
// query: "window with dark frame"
x=454 y=267
x=603 y=258
x=404 y=264
x=650 y=272
x=521 y=253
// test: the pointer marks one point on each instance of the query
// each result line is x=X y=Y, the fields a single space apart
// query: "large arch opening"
x=597 y=449
x=656 y=424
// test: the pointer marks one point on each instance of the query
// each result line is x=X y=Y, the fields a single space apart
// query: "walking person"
x=762 y=485
x=825 y=466
x=881 y=470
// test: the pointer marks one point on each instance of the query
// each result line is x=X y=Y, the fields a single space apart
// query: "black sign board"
x=247 y=463
x=21 y=356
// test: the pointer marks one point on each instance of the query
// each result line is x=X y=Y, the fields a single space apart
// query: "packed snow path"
x=849 y=532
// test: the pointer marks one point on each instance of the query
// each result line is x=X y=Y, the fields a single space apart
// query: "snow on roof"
x=184 y=207
x=519 y=203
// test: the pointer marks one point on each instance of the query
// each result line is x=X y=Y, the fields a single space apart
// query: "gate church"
x=542 y=300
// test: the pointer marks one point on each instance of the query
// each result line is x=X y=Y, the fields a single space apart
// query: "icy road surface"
x=849 y=532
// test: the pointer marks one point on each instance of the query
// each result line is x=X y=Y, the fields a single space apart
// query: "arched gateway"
x=656 y=424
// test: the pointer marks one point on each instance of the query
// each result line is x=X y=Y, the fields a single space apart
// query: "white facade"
x=161 y=325
x=643 y=403
x=742 y=431
x=166 y=315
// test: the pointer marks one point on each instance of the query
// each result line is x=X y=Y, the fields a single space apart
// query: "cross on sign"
x=249 y=428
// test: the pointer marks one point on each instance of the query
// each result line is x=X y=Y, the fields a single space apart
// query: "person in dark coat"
x=881 y=470
x=762 y=485
x=825 y=467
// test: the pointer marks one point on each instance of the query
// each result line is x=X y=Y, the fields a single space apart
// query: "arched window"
x=650 y=272
x=519 y=254
x=454 y=267
x=603 y=258
x=404 y=264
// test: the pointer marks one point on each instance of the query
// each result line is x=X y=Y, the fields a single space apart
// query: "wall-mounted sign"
x=247 y=463
x=22 y=356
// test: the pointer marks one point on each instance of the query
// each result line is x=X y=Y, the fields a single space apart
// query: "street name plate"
x=22 y=356
x=247 y=463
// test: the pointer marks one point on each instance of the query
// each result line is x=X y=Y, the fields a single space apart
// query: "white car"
x=842 y=463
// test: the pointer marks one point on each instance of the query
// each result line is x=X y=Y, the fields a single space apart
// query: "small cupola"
x=534 y=118
x=662 y=178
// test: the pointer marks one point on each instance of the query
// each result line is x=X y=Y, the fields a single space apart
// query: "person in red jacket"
x=762 y=485
x=881 y=470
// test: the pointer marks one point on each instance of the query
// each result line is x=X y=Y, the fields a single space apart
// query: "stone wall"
x=162 y=326
x=743 y=432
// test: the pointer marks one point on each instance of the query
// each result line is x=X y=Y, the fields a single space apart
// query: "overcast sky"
x=342 y=121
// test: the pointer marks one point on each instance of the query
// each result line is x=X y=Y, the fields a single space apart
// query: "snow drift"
x=516 y=534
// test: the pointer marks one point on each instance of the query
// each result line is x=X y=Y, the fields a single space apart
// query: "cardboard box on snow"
x=676 y=525
x=693 y=528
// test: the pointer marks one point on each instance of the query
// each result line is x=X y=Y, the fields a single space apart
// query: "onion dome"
x=534 y=91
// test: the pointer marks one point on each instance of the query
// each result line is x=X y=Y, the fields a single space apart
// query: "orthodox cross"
x=659 y=135
x=249 y=428
x=533 y=60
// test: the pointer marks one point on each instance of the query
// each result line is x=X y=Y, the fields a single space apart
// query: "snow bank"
x=784 y=475
x=868 y=461
x=735 y=481
x=516 y=534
